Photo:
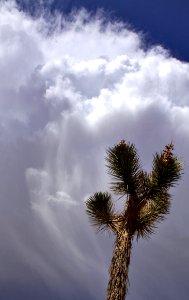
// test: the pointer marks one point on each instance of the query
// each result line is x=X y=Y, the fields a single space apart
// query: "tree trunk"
x=118 y=283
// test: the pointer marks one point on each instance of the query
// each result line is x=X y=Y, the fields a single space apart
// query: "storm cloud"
x=70 y=88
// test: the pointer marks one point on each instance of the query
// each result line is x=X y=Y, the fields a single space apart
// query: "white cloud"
x=65 y=97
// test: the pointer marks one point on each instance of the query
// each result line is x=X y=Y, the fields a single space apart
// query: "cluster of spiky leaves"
x=166 y=170
x=100 y=210
x=147 y=197
x=150 y=214
x=124 y=171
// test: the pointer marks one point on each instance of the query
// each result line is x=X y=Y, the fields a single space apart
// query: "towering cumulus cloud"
x=70 y=88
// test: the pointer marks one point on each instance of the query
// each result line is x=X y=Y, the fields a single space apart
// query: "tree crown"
x=147 y=198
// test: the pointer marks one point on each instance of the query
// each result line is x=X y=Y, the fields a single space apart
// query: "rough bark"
x=118 y=283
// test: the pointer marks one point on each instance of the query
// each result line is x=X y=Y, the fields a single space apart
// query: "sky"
x=71 y=86
x=163 y=22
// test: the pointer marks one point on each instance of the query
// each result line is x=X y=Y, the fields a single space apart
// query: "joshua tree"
x=147 y=201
